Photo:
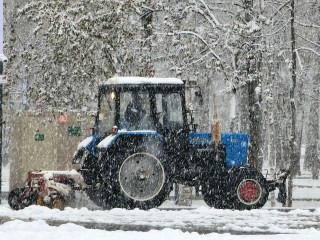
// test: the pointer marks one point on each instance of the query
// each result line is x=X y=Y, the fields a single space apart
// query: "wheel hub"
x=141 y=176
x=249 y=191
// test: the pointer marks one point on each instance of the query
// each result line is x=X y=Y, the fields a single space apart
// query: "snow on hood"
x=106 y=142
x=142 y=80
x=84 y=142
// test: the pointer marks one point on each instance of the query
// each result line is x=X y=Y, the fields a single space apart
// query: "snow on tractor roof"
x=142 y=80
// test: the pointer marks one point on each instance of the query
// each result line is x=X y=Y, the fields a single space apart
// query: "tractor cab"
x=141 y=104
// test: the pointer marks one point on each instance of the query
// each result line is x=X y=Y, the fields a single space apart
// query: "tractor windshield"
x=135 y=111
x=140 y=109
x=150 y=111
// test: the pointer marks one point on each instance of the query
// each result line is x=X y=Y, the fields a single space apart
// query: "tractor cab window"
x=135 y=111
x=107 y=111
x=169 y=110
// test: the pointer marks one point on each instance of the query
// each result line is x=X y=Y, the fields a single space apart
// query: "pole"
x=1 y=73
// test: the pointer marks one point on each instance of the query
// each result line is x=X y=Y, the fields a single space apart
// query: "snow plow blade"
x=54 y=189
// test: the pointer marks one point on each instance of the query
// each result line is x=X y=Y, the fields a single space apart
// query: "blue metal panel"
x=236 y=148
x=199 y=138
x=92 y=146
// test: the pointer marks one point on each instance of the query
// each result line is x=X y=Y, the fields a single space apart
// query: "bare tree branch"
x=309 y=49
x=314 y=43
x=208 y=14
x=202 y=40
x=278 y=10
x=270 y=34
x=307 y=25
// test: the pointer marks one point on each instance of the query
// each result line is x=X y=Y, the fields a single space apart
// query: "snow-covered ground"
x=37 y=222
x=197 y=222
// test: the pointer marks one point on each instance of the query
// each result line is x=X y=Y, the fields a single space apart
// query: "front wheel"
x=136 y=180
x=248 y=189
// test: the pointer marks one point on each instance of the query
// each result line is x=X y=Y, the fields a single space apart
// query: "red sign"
x=63 y=118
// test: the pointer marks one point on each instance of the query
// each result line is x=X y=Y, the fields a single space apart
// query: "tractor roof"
x=142 y=80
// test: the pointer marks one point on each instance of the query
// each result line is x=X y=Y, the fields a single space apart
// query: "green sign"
x=74 y=131
x=39 y=137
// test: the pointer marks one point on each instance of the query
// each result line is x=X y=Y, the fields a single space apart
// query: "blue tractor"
x=142 y=144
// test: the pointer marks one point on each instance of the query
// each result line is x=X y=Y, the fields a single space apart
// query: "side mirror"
x=192 y=125
x=198 y=95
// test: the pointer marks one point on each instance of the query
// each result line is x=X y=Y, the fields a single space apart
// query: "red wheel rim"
x=249 y=191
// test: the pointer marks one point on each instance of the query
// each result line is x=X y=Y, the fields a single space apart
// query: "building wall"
x=54 y=152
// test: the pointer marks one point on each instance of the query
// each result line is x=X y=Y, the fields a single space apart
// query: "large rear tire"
x=143 y=181
x=141 y=176
x=136 y=180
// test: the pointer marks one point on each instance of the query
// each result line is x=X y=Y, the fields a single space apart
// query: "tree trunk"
x=292 y=140
x=312 y=146
x=271 y=146
x=270 y=122
x=253 y=63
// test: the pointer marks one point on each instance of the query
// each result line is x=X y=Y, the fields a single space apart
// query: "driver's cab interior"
x=139 y=110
